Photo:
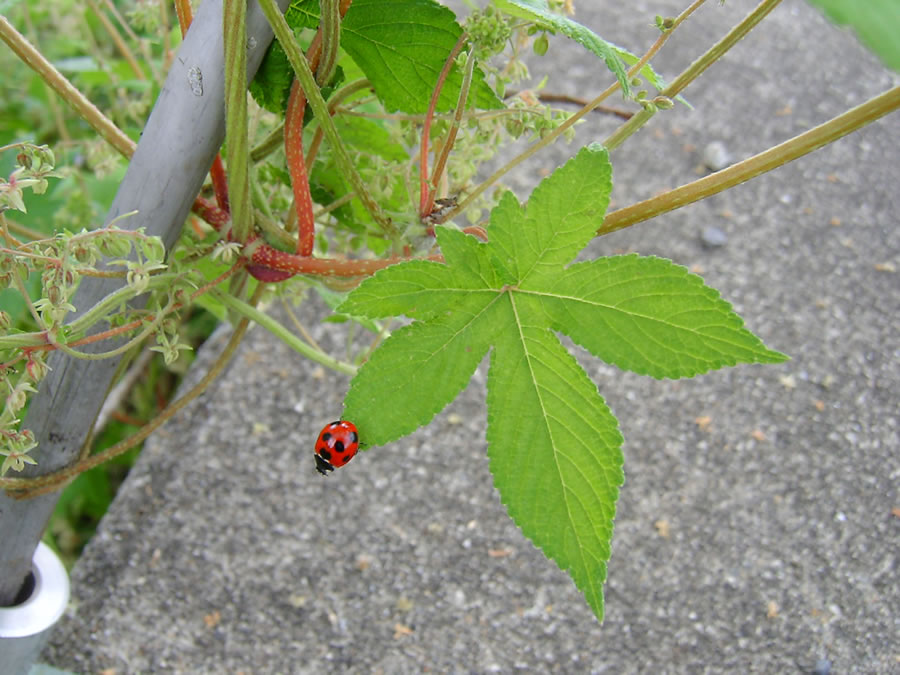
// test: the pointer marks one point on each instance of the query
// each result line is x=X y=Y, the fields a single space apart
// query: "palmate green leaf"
x=554 y=446
x=539 y=12
x=401 y=46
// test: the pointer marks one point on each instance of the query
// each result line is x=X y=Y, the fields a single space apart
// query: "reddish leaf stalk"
x=441 y=162
x=212 y=214
x=288 y=263
x=425 y=192
x=219 y=182
x=293 y=149
x=270 y=265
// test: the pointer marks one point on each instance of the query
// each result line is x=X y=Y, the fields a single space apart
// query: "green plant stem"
x=273 y=230
x=260 y=201
x=87 y=110
x=237 y=145
x=20 y=229
x=693 y=71
x=117 y=298
x=26 y=298
x=334 y=101
x=320 y=110
x=337 y=203
x=90 y=317
x=158 y=318
x=269 y=144
x=282 y=333
x=772 y=158
x=330 y=21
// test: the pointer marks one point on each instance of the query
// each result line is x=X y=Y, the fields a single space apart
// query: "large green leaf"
x=554 y=446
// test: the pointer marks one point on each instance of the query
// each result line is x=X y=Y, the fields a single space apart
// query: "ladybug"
x=338 y=443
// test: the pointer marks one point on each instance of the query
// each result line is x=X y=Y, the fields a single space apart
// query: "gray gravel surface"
x=757 y=531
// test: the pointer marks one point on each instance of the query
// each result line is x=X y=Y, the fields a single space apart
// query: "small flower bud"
x=18 y=396
x=114 y=245
x=36 y=368
x=153 y=249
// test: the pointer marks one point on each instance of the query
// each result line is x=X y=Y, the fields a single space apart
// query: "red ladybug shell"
x=337 y=444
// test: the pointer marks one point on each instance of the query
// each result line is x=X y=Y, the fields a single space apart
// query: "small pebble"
x=716 y=156
x=713 y=237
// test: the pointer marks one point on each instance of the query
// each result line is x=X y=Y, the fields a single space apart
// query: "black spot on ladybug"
x=354 y=438
x=325 y=453
x=339 y=447
x=326 y=436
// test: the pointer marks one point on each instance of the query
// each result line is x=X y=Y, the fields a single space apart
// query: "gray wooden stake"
x=177 y=146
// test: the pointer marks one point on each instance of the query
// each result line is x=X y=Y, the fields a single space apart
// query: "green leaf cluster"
x=554 y=446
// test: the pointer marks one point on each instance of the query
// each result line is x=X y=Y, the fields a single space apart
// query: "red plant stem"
x=293 y=151
x=265 y=257
x=220 y=182
x=212 y=214
x=424 y=190
x=273 y=259
x=475 y=231
x=293 y=148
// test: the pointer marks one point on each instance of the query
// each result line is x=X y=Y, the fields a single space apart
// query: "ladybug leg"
x=322 y=466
